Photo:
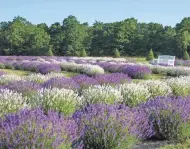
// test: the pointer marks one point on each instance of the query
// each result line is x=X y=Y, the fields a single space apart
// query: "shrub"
x=179 y=71
x=83 y=53
x=157 y=88
x=180 y=86
x=101 y=94
x=47 y=68
x=10 y=102
x=5 y=79
x=170 y=71
x=31 y=66
x=9 y=66
x=70 y=51
x=116 y=53
x=49 y=51
x=18 y=65
x=150 y=55
x=156 y=69
x=60 y=100
x=103 y=126
x=61 y=82
x=166 y=124
x=68 y=66
x=185 y=55
x=25 y=87
x=137 y=71
x=85 y=81
x=182 y=63
x=91 y=70
x=39 y=78
x=113 y=78
x=113 y=68
x=134 y=94
x=166 y=116
x=34 y=129
x=2 y=66
x=87 y=69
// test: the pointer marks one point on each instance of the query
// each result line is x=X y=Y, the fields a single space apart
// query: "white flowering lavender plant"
x=157 y=88
x=61 y=100
x=101 y=94
x=134 y=93
x=11 y=102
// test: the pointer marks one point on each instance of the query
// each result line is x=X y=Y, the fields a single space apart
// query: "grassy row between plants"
x=25 y=73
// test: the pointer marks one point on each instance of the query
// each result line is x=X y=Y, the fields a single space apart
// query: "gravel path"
x=152 y=144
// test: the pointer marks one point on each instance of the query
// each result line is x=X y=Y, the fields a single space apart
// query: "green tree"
x=150 y=55
x=74 y=33
x=97 y=43
x=83 y=53
x=18 y=34
x=184 y=25
x=185 y=55
x=57 y=38
x=70 y=51
x=4 y=38
x=49 y=51
x=116 y=53
x=130 y=37
x=43 y=26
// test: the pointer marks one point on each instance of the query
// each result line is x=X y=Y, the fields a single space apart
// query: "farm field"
x=93 y=103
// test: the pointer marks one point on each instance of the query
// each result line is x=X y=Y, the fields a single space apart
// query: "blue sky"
x=166 y=12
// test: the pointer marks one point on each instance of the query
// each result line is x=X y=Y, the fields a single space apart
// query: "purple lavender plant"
x=182 y=63
x=137 y=71
x=114 y=68
x=113 y=78
x=166 y=115
x=30 y=66
x=104 y=126
x=85 y=81
x=34 y=129
x=2 y=73
x=47 y=68
x=25 y=87
x=61 y=82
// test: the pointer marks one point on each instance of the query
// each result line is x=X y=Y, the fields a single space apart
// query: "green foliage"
x=10 y=102
x=116 y=53
x=185 y=132
x=134 y=94
x=49 y=52
x=20 y=37
x=185 y=55
x=104 y=138
x=167 y=125
x=150 y=55
x=83 y=53
x=2 y=66
x=8 y=66
x=61 y=100
x=70 y=51
x=184 y=145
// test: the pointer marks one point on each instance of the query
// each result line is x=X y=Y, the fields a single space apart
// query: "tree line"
x=73 y=38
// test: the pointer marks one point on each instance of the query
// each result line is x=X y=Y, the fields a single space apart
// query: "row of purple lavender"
x=96 y=125
x=89 y=67
x=74 y=83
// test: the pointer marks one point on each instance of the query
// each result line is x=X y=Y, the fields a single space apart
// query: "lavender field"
x=110 y=103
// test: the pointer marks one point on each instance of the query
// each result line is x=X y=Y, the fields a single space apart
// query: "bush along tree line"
x=73 y=38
